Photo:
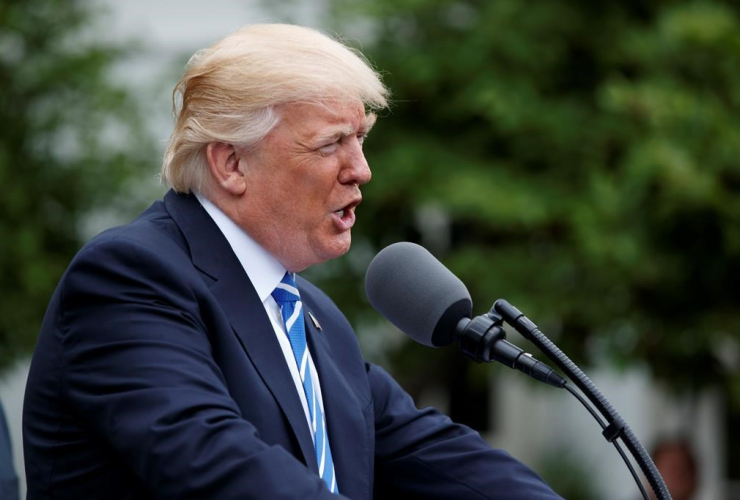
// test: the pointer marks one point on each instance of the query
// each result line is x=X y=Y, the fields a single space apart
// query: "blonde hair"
x=230 y=91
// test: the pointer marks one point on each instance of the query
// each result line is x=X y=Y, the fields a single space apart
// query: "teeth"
x=340 y=212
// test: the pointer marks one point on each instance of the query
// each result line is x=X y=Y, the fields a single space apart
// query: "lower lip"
x=344 y=223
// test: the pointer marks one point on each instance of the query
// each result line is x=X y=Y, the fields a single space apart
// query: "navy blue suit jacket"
x=157 y=374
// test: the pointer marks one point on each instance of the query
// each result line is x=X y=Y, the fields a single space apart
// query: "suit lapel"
x=251 y=324
x=344 y=417
x=212 y=254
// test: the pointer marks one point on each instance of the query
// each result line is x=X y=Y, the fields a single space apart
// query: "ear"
x=224 y=164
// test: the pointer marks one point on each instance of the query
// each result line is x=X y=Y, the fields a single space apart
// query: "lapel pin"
x=314 y=321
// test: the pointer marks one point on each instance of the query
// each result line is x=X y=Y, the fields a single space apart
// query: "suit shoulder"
x=150 y=248
x=154 y=229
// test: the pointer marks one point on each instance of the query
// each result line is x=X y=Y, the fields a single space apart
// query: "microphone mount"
x=483 y=339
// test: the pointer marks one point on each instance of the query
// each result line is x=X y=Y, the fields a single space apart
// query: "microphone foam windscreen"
x=417 y=293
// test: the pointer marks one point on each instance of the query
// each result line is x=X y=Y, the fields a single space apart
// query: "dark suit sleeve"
x=138 y=369
x=423 y=454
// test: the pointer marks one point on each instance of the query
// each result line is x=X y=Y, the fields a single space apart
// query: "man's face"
x=303 y=183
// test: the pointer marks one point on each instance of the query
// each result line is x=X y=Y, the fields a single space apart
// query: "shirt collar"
x=263 y=270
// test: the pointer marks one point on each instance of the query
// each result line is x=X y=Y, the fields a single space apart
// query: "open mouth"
x=346 y=213
x=345 y=216
x=348 y=209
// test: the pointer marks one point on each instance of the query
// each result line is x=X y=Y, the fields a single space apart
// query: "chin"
x=326 y=249
x=336 y=247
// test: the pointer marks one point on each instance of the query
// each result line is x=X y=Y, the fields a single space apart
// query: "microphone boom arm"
x=616 y=427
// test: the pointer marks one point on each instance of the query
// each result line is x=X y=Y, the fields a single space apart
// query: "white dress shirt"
x=265 y=272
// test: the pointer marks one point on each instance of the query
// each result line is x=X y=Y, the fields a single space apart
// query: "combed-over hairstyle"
x=230 y=91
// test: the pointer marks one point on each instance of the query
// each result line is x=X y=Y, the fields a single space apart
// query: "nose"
x=356 y=170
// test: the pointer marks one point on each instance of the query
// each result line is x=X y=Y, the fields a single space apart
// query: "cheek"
x=315 y=196
x=304 y=206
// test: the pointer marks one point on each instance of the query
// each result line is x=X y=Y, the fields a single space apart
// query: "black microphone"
x=425 y=300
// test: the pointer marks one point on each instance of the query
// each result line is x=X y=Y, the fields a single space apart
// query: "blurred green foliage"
x=587 y=157
x=70 y=141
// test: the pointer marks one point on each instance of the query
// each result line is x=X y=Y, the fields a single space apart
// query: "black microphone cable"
x=617 y=427
x=601 y=423
x=482 y=340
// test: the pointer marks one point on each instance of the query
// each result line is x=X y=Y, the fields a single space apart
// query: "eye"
x=329 y=148
x=361 y=136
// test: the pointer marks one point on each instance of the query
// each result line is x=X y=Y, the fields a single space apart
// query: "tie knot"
x=286 y=291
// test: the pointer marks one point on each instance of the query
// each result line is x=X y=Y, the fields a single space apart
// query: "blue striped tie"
x=291 y=308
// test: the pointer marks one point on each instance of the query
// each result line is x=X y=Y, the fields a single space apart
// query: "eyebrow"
x=367 y=123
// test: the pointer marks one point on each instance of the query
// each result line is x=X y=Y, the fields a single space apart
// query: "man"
x=181 y=357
